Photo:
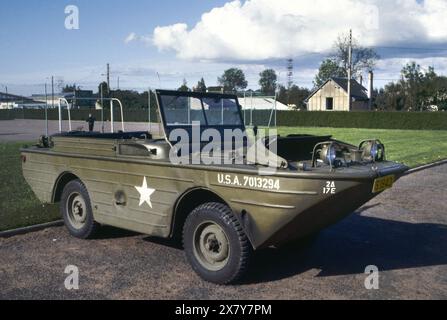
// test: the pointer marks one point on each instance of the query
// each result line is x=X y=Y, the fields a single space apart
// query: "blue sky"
x=176 y=39
x=35 y=44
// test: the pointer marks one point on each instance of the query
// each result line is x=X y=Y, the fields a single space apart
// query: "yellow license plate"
x=383 y=183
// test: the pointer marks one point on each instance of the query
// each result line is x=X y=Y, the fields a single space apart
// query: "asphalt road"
x=403 y=232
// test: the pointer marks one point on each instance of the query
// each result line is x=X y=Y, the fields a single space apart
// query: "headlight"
x=328 y=154
x=372 y=150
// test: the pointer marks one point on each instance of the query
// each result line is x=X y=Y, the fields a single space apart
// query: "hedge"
x=371 y=120
x=132 y=115
x=379 y=120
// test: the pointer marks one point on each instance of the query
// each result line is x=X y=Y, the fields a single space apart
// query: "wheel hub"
x=76 y=208
x=211 y=246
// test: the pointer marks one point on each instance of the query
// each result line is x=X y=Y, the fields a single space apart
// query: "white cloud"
x=275 y=29
x=389 y=69
x=130 y=38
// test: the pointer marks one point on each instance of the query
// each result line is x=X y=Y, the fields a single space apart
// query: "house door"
x=330 y=103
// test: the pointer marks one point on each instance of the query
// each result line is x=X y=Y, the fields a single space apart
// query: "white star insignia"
x=145 y=193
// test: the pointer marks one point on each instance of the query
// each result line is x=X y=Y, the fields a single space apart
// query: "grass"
x=411 y=147
x=19 y=207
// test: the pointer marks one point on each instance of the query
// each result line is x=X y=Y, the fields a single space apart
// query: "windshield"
x=215 y=111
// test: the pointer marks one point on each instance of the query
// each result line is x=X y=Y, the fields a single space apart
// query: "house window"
x=329 y=103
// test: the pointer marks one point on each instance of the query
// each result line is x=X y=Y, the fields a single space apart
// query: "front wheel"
x=215 y=244
x=77 y=211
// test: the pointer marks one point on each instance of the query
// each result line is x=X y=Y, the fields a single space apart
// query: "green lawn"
x=412 y=147
x=19 y=207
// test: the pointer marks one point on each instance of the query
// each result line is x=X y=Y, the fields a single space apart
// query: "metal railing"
x=112 y=126
x=60 y=113
x=111 y=114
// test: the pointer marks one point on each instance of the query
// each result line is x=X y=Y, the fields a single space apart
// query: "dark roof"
x=358 y=92
x=7 y=97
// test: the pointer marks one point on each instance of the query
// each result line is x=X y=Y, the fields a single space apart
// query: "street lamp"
x=6 y=91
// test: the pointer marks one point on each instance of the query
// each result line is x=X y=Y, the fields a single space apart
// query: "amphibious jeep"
x=223 y=196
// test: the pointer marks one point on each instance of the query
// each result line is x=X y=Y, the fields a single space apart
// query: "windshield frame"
x=200 y=96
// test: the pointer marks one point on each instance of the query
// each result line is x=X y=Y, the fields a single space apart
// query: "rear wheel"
x=77 y=211
x=215 y=244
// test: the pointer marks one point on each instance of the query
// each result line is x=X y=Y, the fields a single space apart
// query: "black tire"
x=212 y=233
x=77 y=211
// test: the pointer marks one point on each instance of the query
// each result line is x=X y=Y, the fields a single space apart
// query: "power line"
x=409 y=48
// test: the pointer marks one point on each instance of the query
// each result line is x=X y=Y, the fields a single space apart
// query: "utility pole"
x=108 y=77
x=46 y=110
x=102 y=107
x=159 y=81
x=118 y=83
x=73 y=103
x=289 y=78
x=7 y=98
x=52 y=92
x=349 y=70
x=149 y=106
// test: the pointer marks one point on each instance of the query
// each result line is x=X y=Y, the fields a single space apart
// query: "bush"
x=334 y=119
x=130 y=115
x=368 y=120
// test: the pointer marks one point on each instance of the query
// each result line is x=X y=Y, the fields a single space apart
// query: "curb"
x=426 y=166
x=37 y=227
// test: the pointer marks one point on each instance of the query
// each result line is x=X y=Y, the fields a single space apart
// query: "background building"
x=261 y=103
x=333 y=96
x=11 y=101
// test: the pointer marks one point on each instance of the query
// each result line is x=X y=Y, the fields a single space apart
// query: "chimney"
x=361 y=79
x=370 y=88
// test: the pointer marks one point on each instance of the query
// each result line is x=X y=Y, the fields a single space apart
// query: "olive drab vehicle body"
x=224 y=211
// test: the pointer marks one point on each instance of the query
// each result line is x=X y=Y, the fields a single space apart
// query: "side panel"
x=112 y=187
x=266 y=205
x=41 y=173
x=116 y=200
x=87 y=146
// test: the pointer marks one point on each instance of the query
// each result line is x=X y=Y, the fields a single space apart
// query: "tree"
x=105 y=89
x=390 y=98
x=233 y=79
x=437 y=93
x=294 y=96
x=329 y=68
x=70 y=88
x=363 y=59
x=412 y=82
x=184 y=87
x=131 y=99
x=416 y=91
x=268 y=81
x=201 y=86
